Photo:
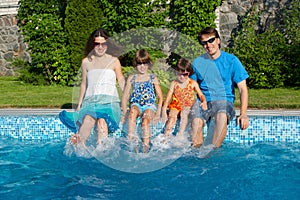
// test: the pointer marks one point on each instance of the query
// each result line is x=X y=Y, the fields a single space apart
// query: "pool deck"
x=42 y=111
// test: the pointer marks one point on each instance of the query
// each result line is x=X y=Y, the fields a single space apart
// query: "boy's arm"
x=243 y=119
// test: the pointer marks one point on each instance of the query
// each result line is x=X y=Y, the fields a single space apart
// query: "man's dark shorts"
x=214 y=107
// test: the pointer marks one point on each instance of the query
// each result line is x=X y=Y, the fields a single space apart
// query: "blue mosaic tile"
x=261 y=129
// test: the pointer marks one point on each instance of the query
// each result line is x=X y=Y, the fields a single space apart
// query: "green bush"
x=190 y=16
x=82 y=18
x=41 y=26
x=291 y=30
x=56 y=35
x=124 y=15
x=261 y=53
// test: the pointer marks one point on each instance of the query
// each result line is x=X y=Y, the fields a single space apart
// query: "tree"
x=82 y=18
x=43 y=32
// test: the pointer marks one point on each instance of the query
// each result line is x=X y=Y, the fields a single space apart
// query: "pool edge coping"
x=43 y=111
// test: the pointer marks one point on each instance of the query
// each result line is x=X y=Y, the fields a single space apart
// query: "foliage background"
x=56 y=32
x=270 y=54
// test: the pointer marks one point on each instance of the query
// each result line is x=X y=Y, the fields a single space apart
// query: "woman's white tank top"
x=101 y=81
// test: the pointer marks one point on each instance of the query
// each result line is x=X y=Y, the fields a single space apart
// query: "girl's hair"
x=142 y=56
x=112 y=48
x=208 y=31
x=183 y=65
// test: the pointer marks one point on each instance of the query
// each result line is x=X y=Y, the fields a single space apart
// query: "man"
x=217 y=72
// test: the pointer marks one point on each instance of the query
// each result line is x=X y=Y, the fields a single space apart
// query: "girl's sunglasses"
x=142 y=63
x=183 y=74
x=211 y=40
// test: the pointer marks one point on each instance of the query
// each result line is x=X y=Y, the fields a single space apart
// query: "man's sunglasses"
x=211 y=40
x=183 y=74
x=103 y=44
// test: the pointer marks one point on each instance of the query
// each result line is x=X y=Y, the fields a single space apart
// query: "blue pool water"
x=43 y=170
x=37 y=162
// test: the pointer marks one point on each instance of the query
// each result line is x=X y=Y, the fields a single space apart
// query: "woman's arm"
x=119 y=75
x=83 y=84
x=125 y=98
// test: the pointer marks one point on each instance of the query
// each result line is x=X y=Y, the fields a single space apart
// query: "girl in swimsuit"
x=141 y=90
x=182 y=92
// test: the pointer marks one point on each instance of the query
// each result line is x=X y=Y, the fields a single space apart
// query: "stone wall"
x=231 y=11
x=11 y=44
x=11 y=41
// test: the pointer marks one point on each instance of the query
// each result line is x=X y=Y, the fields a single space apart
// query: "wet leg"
x=183 y=121
x=147 y=116
x=86 y=128
x=172 y=118
x=133 y=114
x=220 y=129
x=197 y=133
x=102 y=130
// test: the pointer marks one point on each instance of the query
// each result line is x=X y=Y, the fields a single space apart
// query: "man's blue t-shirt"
x=218 y=77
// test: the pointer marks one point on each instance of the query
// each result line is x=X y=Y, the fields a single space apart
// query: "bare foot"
x=75 y=139
x=197 y=145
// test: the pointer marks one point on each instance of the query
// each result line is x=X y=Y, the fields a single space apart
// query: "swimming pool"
x=262 y=162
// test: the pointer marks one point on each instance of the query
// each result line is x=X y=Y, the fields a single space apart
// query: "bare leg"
x=197 y=134
x=133 y=114
x=183 y=120
x=147 y=116
x=86 y=128
x=220 y=129
x=102 y=130
x=172 y=118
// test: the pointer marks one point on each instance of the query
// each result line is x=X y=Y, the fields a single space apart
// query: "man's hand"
x=243 y=121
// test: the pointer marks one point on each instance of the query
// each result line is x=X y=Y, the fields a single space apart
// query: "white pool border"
x=43 y=111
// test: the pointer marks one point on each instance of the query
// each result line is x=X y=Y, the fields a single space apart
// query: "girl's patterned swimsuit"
x=182 y=97
x=143 y=92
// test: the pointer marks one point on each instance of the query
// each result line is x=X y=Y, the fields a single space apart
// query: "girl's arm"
x=167 y=102
x=83 y=83
x=119 y=75
x=160 y=98
x=125 y=98
x=203 y=103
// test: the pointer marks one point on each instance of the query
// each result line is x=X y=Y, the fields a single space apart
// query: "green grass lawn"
x=15 y=94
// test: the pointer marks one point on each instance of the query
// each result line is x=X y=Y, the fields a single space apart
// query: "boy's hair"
x=183 y=65
x=142 y=56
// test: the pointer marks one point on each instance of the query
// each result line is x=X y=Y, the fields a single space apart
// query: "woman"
x=99 y=101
